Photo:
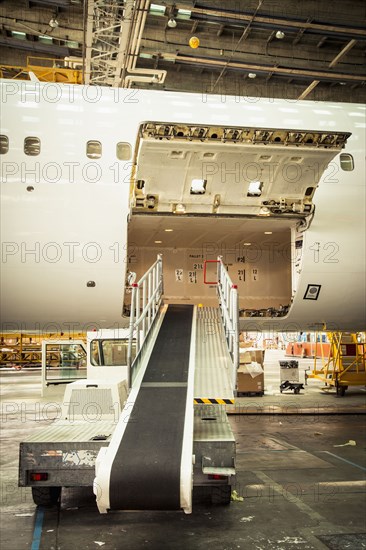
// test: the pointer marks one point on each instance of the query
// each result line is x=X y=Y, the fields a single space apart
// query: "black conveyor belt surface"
x=145 y=474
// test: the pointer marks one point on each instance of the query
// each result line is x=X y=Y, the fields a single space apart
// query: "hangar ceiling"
x=286 y=48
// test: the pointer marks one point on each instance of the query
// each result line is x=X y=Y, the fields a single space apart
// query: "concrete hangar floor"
x=300 y=480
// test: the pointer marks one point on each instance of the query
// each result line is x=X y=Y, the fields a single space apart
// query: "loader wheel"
x=341 y=390
x=221 y=494
x=46 y=496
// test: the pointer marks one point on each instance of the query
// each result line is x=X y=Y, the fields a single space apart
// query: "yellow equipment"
x=345 y=364
x=46 y=70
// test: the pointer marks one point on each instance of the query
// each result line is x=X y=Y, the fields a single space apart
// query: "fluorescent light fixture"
x=198 y=187
x=255 y=189
x=168 y=230
x=72 y=43
x=157 y=8
x=268 y=232
x=184 y=14
x=45 y=38
x=158 y=242
x=247 y=244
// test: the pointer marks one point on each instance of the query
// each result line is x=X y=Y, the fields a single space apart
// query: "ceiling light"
x=247 y=244
x=158 y=242
x=172 y=23
x=268 y=232
x=180 y=209
x=194 y=42
x=252 y=75
x=280 y=35
x=264 y=211
x=168 y=230
x=198 y=187
x=255 y=189
x=53 y=23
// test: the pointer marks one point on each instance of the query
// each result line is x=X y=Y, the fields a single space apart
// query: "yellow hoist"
x=345 y=364
x=45 y=69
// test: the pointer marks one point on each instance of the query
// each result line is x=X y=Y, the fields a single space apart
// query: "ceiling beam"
x=309 y=89
x=255 y=49
x=277 y=22
x=237 y=84
x=63 y=33
x=321 y=42
x=242 y=38
x=342 y=53
x=194 y=27
x=220 y=31
x=297 y=38
x=253 y=67
x=334 y=62
x=38 y=47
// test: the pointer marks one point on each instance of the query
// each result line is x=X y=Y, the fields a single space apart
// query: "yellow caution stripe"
x=210 y=401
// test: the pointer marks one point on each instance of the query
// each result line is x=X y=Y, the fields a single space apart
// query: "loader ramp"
x=148 y=465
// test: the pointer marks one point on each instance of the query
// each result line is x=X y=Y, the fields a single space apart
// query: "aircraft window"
x=93 y=149
x=4 y=145
x=110 y=352
x=32 y=146
x=123 y=151
x=347 y=162
x=95 y=355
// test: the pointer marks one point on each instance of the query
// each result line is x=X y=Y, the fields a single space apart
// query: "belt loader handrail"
x=145 y=303
x=229 y=304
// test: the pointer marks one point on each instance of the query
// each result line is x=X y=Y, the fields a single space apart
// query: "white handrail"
x=229 y=304
x=145 y=303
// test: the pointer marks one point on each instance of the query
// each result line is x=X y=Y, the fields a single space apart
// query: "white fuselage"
x=64 y=215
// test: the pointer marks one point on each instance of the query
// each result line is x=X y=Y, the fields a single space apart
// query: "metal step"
x=214 y=367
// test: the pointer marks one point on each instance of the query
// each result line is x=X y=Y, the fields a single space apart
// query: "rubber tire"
x=46 y=496
x=221 y=494
x=297 y=390
x=341 y=390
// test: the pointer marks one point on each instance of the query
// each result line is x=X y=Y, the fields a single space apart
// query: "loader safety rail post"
x=145 y=304
x=229 y=304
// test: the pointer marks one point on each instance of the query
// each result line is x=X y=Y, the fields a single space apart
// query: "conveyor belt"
x=145 y=474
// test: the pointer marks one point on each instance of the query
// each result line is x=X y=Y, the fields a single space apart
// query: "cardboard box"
x=247 y=344
x=250 y=378
x=247 y=355
x=244 y=356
